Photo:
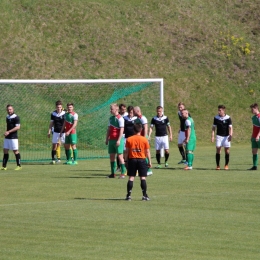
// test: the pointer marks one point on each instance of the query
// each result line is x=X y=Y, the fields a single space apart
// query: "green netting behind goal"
x=35 y=102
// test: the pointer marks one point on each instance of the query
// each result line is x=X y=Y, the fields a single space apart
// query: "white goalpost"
x=34 y=100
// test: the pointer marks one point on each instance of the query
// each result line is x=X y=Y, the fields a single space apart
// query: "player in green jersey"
x=190 y=138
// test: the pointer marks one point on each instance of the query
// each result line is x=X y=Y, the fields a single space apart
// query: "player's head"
x=58 y=106
x=130 y=110
x=185 y=113
x=114 y=109
x=70 y=107
x=122 y=109
x=181 y=106
x=221 y=110
x=254 y=108
x=137 y=111
x=9 y=109
x=159 y=111
x=138 y=128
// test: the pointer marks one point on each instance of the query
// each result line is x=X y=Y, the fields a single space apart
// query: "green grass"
x=66 y=212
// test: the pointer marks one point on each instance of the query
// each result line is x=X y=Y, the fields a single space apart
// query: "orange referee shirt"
x=137 y=145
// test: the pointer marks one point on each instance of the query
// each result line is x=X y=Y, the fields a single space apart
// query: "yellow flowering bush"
x=231 y=45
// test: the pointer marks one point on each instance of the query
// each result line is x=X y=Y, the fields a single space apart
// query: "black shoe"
x=145 y=198
x=111 y=176
x=254 y=168
x=128 y=198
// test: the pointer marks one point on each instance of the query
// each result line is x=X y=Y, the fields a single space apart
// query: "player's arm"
x=169 y=131
x=17 y=127
x=150 y=131
x=148 y=156
x=73 y=127
x=62 y=129
x=50 y=127
x=230 y=130
x=120 y=136
x=213 y=133
x=145 y=127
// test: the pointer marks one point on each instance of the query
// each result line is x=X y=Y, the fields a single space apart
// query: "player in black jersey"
x=161 y=124
x=11 y=138
x=223 y=123
x=56 y=123
x=181 y=133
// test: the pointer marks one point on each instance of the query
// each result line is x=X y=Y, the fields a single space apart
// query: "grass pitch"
x=74 y=212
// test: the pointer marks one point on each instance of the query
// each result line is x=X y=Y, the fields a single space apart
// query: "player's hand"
x=6 y=133
x=149 y=165
x=117 y=143
x=170 y=138
x=106 y=142
x=212 y=139
x=229 y=138
x=49 y=135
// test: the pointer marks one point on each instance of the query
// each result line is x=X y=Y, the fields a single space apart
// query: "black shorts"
x=135 y=165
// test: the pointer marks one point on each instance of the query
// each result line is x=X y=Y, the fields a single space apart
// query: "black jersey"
x=222 y=124
x=182 y=121
x=160 y=124
x=129 y=126
x=58 y=120
x=11 y=122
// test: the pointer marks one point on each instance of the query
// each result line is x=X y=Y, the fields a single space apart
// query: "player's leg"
x=6 y=154
x=112 y=150
x=15 y=147
x=74 y=141
x=120 y=150
x=226 y=145
x=131 y=172
x=255 y=146
x=181 y=138
x=190 y=147
x=157 y=146
x=142 y=169
x=219 y=140
x=166 y=149
x=58 y=152
x=67 y=145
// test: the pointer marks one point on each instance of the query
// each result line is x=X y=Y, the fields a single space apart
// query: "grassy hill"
x=207 y=51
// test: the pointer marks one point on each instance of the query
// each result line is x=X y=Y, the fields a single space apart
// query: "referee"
x=137 y=150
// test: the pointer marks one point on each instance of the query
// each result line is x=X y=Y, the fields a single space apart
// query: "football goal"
x=34 y=100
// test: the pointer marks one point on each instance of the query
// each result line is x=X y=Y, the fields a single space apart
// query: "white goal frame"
x=86 y=81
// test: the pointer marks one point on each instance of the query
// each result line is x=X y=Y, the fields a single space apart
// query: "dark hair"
x=181 y=103
x=130 y=108
x=138 y=128
x=159 y=107
x=58 y=103
x=70 y=104
x=255 y=105
x=9 y=105
x=221 y=106
x=122 y=105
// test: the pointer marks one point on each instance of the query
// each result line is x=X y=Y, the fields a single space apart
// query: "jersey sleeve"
x=76 y=117
x=230 y=121
x=188 y=123
x=17 y=121
x=121 y=122
x=152 y=123
x=144 y=120
x=215 y=122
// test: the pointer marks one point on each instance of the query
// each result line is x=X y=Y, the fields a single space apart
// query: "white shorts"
x=56 y=138
x=222 y=141
x=181 y=137
x=161 y=142
x=11 y=144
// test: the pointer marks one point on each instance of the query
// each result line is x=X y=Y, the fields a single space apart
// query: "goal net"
x=34 y=100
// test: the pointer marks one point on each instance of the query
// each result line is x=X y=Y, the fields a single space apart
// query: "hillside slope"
x=207 y=51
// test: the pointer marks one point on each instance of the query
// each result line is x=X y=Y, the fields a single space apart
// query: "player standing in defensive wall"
x=57 y=121
x=129 y=126
x=181 y=133
x=69 y=126
x=190 y=138
x=141 y=119
x=255 y=142
x=137 y=150
x=162 y=124
x=123 y=113
x=11 y=138
x=115 y=141
x=223 y=123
